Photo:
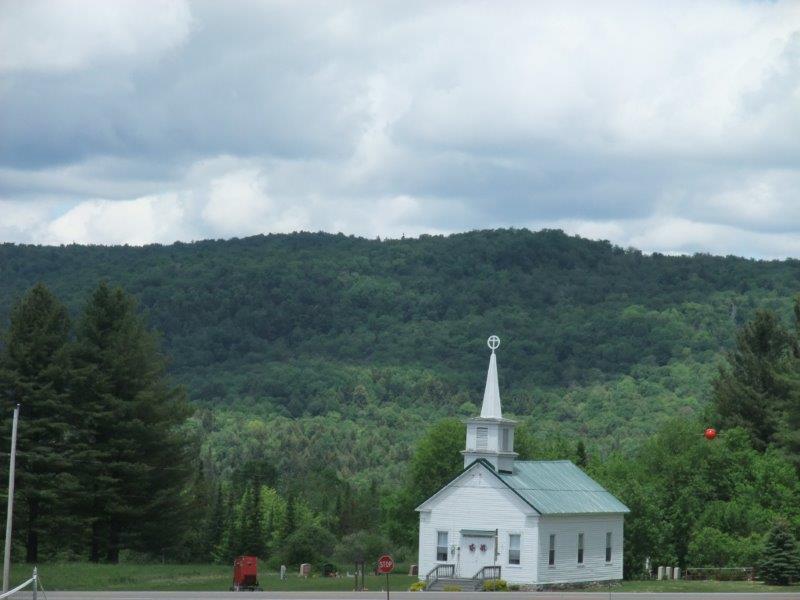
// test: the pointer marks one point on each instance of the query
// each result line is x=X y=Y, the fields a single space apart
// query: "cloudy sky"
x=668 y=126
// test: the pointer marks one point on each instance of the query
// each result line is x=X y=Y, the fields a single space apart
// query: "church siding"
x=566 y=530
x=478 y=501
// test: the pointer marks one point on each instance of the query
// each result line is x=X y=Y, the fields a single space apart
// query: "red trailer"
x=245 y=574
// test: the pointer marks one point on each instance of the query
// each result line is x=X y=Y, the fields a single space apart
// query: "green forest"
x=295 y=396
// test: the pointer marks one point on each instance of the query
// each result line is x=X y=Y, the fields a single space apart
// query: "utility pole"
x=10 y=509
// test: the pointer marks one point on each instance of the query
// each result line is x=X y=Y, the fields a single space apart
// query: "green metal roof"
x=558 y=487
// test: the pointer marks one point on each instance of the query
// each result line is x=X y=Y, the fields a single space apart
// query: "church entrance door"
x=476 y=552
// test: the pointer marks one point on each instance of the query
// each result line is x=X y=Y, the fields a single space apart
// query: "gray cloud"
x=673 y=128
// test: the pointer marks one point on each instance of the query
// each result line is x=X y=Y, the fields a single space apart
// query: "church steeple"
x=490 y=436
x=491 y=395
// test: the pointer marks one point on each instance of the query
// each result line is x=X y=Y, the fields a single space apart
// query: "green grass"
x=157 y=577
x=701 y=586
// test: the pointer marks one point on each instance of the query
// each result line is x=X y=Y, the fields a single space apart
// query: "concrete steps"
x=466 y=584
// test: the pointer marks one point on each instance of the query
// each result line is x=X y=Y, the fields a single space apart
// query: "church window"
x=441 y=545
x=551 y=556
x=513 y=549
x=608 y=547
x=580 y=548
x=483 y=438
x=506 y=444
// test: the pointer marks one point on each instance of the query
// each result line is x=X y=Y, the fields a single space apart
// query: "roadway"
x=410 y=596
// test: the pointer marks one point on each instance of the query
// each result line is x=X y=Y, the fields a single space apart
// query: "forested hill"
x=309 y=324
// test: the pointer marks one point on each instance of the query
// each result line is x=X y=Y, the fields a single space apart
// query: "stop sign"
x=385 y=564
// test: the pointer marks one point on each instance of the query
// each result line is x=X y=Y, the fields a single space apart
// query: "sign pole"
x=10 y=508
x=386 y=565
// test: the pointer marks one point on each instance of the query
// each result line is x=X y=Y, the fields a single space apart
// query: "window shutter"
x=483 y=438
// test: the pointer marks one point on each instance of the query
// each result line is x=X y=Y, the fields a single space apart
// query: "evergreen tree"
x=780 y=564
x=269 y=530
x=252 y=533
x=291 y=509
x=216 y=525
x=789 y=433
x=226 y=549
x=135 y=451
x=580 y=453
x=34 y=372
x=755 y=390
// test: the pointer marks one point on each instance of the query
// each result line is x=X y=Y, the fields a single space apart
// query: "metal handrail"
x=437 y=572
x=495 y=571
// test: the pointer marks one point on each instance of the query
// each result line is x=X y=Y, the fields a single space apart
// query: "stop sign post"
x=386 y=566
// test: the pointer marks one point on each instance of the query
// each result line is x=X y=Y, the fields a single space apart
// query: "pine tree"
x=780 y=564
x=252 y=534
x=134 y=449
x=582 y=460
x=753 y=391
x=34 y=371
x=226 y=549
x=269 y=531
x=216 y=525
x=290 y=524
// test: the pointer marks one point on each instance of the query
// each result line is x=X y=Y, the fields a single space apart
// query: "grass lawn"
x=134 y=577
x=157 y=577
x=701 y=586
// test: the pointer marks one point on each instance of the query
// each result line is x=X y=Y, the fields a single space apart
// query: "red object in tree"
x=385 y=564
x=711 y=433
x=245 y=573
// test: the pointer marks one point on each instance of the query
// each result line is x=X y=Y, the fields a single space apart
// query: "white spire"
x=491 y=396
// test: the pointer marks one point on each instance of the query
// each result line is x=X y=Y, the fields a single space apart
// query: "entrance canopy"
x=478 y=532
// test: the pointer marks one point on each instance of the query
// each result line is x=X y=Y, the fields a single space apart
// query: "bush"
x=417 y=586
x=452 y=588
x=780 y=563
x=362 y=545
x=495 y=585
x=309 y=543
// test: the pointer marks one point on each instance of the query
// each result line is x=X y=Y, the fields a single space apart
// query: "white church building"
x=527 y=522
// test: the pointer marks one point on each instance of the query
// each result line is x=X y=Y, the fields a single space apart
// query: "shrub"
x=308 y=543
x=417 y=586
x=361 y=545
x=495 y=585
x=780 y=563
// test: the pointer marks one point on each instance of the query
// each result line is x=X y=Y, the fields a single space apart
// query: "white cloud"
x=72 y=34
x=219 y=197
x=140 y=221
x=676 y=235
x=239 y=205
x=19 y=219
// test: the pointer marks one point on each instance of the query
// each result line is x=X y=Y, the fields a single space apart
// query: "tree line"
x=314 y=362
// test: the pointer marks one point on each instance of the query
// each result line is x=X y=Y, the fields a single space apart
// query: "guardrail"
x=33 y=582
